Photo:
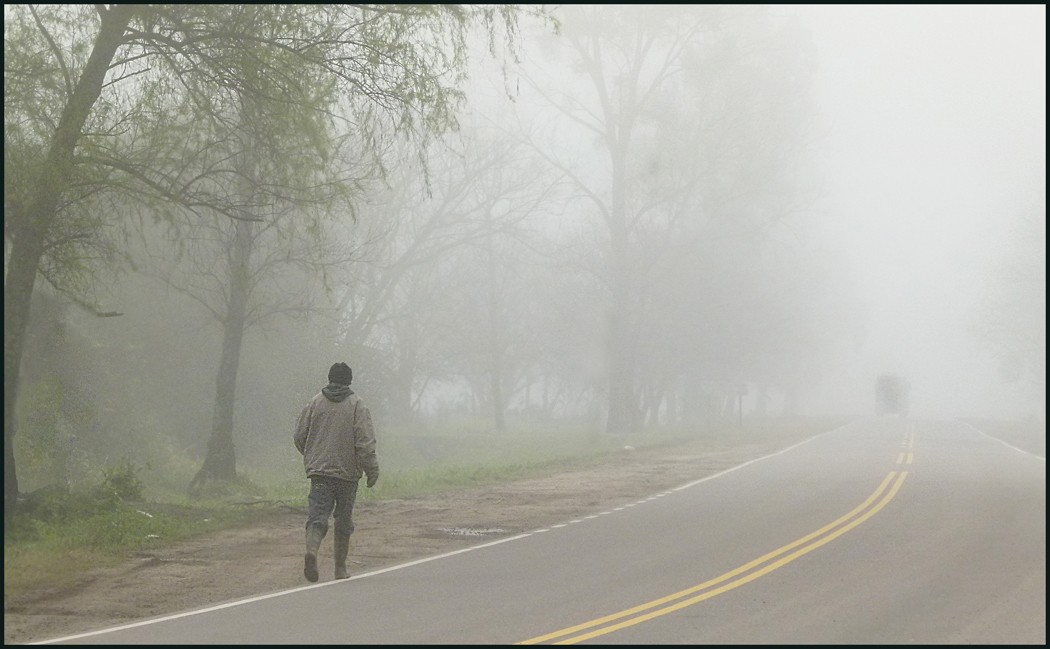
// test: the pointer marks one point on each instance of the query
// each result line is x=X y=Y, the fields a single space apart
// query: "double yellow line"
x=734 y=578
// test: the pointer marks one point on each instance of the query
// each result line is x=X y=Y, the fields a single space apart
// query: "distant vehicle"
x=891 y=395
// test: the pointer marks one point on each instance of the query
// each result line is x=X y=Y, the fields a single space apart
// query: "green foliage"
x=51 y=544
x=201 y=87
x=122 y=481
x=58 y=503
x=208 y=111
x=120 y=485
x=57 y=529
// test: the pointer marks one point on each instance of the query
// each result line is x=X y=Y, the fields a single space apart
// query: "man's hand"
x=372 y=480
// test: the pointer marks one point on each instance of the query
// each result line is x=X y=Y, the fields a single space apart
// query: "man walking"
x=335 y=436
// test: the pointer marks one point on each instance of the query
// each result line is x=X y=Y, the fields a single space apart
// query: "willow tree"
x=106 y=107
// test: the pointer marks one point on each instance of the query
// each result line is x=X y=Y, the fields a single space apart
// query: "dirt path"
x=267 y=556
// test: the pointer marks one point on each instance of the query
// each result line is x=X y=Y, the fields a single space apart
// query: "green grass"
x=413 y=462
x=52 y=551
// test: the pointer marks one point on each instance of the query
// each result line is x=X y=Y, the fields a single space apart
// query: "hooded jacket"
x=335 y=436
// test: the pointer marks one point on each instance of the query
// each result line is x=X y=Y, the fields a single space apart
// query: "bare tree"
x=698 y=120
x=403 y=305
x=628 y=55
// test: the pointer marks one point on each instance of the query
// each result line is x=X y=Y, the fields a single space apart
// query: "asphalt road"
x=885 y=531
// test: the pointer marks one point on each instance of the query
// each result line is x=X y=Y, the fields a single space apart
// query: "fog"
x=677 y=216
x=935 y=150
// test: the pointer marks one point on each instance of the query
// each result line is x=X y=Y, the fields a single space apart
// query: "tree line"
x=593 y=211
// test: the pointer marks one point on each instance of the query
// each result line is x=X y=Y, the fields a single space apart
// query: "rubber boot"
x=342 y=548
x=314 y=535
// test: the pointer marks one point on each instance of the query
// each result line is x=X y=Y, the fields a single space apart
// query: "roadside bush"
x=122 y=482
x=59 y=502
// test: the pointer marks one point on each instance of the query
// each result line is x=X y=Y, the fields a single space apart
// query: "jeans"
x=328 y=496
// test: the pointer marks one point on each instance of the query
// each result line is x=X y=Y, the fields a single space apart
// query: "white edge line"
x=1011 y=446
x=399 y=566
x=259 y=598
x=757 y=459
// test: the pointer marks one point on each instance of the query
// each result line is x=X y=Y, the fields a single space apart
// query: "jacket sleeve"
x=302 y=427
x=365 y=442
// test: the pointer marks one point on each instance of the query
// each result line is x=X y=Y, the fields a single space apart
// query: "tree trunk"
x=495 y=342
x=498 y=415
x=32 y=227
x=621 y=399
x=399 y=397
x=220 y=463
x=18 y=293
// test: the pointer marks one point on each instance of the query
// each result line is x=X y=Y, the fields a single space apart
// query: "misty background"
x=808 y=197
x=935 y=162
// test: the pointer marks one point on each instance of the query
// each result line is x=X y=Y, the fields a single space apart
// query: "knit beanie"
x=341 y=374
